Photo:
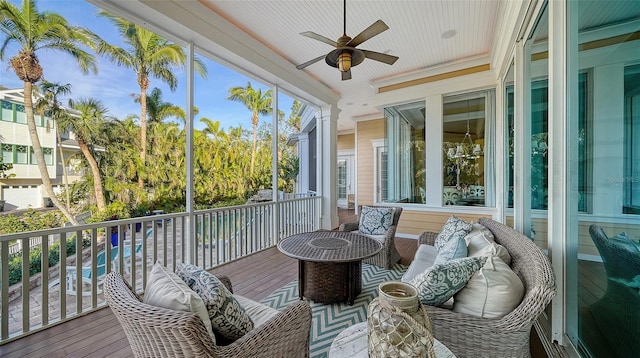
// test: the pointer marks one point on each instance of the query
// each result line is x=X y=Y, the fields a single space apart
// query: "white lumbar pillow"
x=480 y=242
x=165 y=289
x=492 y=292
x=478 y=229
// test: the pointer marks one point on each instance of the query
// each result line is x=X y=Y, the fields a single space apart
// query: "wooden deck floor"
x=99 y=334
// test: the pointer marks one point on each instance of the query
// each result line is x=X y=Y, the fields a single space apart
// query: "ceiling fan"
x=346 y=55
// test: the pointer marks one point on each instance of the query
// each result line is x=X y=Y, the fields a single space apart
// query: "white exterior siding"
x=24 y=189
x=21 y=197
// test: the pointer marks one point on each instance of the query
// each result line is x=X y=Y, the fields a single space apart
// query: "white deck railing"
x=222 y=235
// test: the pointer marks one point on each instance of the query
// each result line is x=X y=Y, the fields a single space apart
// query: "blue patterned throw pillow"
x=228 y=318
x=375 y=221
x=440 y=282
x=454 y=228
x=453 y=249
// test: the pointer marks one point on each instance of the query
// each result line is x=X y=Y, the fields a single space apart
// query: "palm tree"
x=33 y=31
x=159 y=110
x=87 y=125
x=49 y=106
x=121 y=165
x=148 y=55
x=258 y=103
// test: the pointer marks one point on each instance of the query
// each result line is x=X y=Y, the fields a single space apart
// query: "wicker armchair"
x=159 y=332
x=470 y=336
x=617 y=313
x=389 y=255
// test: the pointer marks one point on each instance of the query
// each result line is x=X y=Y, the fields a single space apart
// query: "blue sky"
x=114 y=85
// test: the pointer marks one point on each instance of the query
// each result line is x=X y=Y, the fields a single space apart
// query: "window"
x=22 y=155
x=464 y=143
x=7 y=153
x=342 y=179
x=7 y=111
x=21 y=115
x=405 y=159
x=632 y=133
x=380 y=168
x=48 y=156
x=539 y=144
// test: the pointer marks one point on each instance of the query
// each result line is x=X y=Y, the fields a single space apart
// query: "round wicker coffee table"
x=329 y=263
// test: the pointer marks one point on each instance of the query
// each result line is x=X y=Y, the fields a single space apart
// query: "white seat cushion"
x=258 y=312
x=492 y=292
x=165 y=289
x=424 y=258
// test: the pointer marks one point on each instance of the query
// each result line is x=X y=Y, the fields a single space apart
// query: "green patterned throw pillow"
x=440 y=282
x=375 y=221
x=228 y=318
x=454 y=228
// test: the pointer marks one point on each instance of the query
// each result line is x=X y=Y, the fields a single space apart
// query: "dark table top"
x=329 y=246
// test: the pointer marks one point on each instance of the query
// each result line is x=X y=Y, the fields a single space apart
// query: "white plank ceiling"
x=263 y=37
x=422 y=34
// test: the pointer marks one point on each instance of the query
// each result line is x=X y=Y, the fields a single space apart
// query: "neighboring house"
x=24 y=189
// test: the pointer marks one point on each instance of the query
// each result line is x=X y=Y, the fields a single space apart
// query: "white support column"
x=563 y=157
x=522 y=140
x=433 y=149
x=190 y=236
x=327 y=161
x=274 y=163
x=500 y=167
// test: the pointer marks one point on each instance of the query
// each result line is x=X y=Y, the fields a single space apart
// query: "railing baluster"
x=164 y=245
x=197 y=240
x=132 y=257
x=44 y=275
x=25 y=288
x=216 y=237
x=174 y=241
x=4 y=261
x=94 y=267
x=225 y=218
x=62 y=274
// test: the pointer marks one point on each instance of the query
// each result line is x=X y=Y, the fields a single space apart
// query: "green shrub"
x=31 y=221
x=35 y=258
x=114 y=210
x=10 y=224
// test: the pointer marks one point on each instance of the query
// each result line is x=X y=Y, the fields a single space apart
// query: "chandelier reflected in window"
x=466 y=149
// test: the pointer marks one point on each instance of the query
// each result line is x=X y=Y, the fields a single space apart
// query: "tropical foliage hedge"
x=35 y=258
x=30 y=221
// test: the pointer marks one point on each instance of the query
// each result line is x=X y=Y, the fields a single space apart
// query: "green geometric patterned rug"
x=330 y=319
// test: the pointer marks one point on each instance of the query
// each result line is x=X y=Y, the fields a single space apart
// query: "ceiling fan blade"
x=320 y=38
x=346 y=75
x=310 y=62
x=381 y=57
x=371 y=31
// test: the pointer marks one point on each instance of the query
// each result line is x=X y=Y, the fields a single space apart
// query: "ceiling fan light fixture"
x=346 y=55
x=344 y=61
